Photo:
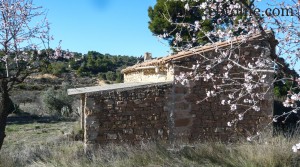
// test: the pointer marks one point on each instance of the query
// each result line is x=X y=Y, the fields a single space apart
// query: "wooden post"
x=82 y=106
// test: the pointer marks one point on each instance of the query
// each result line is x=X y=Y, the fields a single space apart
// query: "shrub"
x=102 y=76
x=58 y=102
x=111 y=76
x=120 y=77
x=57 y=68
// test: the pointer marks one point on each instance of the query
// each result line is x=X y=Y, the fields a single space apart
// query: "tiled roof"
x=190 y=52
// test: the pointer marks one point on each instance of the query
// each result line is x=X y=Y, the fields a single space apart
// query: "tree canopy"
x=166 y=16
x=186 y=24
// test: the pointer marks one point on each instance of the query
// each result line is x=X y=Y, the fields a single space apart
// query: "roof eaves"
x=190 y=52
x=113 y=87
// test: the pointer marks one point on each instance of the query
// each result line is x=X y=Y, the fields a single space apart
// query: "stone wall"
x=150 y=75
x=130 y=115
x=170 y=111
x=208 y=119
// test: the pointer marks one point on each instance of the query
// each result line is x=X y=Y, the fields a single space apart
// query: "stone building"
x=149 y=105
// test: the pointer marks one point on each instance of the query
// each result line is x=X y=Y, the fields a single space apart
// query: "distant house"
x=149 y=105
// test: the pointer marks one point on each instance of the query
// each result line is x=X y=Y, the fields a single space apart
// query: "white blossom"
x=210 y=93
x=250 y=65
x=203 y=5
x=249 y=87
x=249 y=139
x=295 y=97
x=187 y=7
x=231 y=96
x=296 y=147
x=256 y=108
x=241 y=116
x=185 y=82
x=233 y=107
x=250 y=81
x=229 y=66
x=248 y=77
x=208 y=67
x=287 y=103
x=226 y=75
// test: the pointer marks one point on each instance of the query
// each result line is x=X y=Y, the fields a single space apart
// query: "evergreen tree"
x=165 y=19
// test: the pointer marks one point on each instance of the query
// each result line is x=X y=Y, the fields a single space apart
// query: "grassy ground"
x=49 y=144
x=35 y=133
x=23 y=137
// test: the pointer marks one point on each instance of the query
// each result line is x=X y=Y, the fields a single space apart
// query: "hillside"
x=92 y=64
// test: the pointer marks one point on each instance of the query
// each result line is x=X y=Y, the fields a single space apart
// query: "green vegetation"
x=58 y=102
x=281 y=89
x=91 y=64
x=95 y=63
x=172 y=10
x=168 y=19
x=57 y=68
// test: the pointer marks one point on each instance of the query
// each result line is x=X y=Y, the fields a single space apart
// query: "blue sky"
x=117 y=27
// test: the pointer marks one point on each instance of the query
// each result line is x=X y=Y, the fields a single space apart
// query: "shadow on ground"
x=28 y=119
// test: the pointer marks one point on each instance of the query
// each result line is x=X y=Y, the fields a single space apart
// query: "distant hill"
x=93 y=64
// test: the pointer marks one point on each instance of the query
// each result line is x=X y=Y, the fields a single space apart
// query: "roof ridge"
x=191 y=52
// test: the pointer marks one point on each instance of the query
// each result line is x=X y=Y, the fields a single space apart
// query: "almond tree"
x=239 y=20
x=21 y=35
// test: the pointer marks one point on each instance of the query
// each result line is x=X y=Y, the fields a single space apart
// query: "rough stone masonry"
x=159 y=109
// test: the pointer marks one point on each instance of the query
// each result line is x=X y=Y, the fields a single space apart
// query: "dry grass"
x=33 y=147
x=102 y=82
x=39 y=76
